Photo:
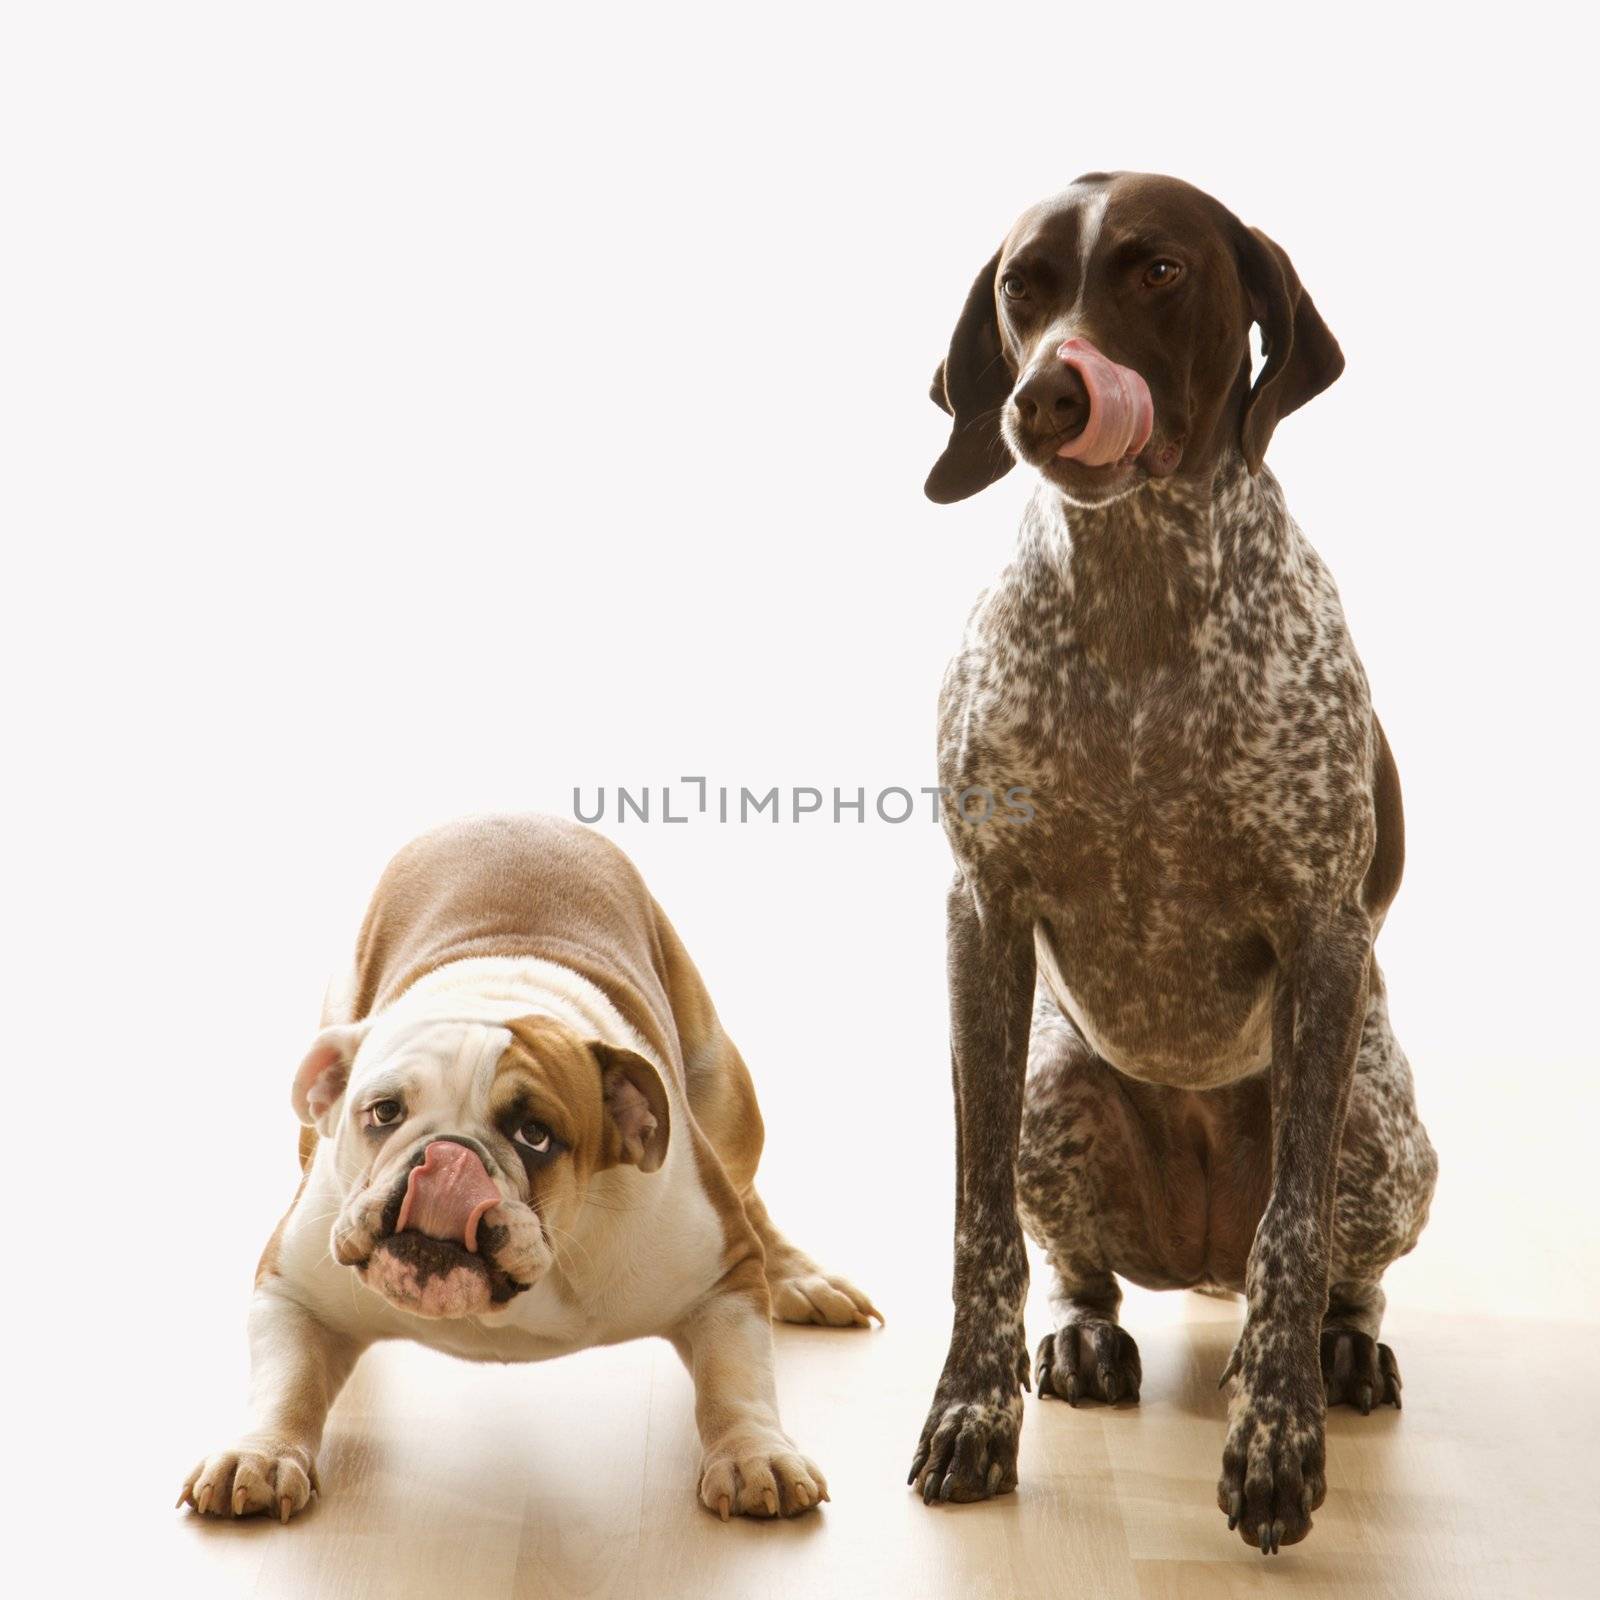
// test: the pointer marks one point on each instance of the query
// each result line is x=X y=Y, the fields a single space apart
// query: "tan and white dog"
x=530 y=1135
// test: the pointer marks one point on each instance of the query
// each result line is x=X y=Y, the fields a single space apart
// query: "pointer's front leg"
x=968 y=1449
x=1273 y=1465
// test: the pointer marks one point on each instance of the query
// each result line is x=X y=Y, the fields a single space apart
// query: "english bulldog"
x=531 y=1135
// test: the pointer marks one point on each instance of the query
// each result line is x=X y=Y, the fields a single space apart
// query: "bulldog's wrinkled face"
x=464 y=1150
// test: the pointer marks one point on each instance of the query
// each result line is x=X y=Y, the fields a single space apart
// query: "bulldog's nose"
x=1053 y=399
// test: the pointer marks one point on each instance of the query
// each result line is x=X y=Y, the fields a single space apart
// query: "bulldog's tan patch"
x=549 y=1072
x=715 y=1077
x=559 y=1077
x=607 y=1104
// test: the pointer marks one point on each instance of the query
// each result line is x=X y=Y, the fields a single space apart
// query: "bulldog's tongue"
x=447 y=1195
x=1121 y=413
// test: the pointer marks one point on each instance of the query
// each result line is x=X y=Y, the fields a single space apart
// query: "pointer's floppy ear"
x=1302 y=357
x=972 y=383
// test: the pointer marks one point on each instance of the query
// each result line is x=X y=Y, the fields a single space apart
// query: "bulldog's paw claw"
x=1358 y=1371
x=764 y=1477
x=823 y=1299
x=274 y=1479
x=968 y=1450
x=1089 y=1360
x=1272 y=1473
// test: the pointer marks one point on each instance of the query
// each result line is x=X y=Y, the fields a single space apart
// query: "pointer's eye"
x=1163 y=273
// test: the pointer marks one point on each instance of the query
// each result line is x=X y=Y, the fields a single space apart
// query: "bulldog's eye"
x=1160 y=274
x=385 y=1113
x=534 y=1136
x=1014 y=287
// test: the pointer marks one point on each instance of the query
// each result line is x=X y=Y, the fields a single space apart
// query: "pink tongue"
x=447 y=1195
x=1121 y=413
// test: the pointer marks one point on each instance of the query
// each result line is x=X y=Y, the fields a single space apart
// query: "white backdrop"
x=419 y=410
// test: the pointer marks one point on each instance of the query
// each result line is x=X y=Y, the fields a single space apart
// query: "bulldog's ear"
x=972 y=383
x=1302 y=356
x=320 y=1082
x=638 y=1119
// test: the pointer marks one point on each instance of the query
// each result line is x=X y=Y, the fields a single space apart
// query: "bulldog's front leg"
x=297 y=1367
x=968 y=1449
x=749 y=1466
x=1273 y=1465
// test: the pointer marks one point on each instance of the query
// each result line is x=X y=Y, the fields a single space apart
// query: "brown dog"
x=1171 y=1041
x=531 y=1135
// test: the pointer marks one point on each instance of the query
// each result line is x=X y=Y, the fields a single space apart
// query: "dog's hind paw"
x=1091 y=1359
x=820 y=1297
x=1358 y=1371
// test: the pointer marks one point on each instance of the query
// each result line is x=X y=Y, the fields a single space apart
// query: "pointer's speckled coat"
x=1166 y=1019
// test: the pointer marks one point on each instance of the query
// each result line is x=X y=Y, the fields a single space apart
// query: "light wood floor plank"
x=576 y=1479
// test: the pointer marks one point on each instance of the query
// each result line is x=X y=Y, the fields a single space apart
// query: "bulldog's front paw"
x=256 y=1475
x=760 y=1476
x=1273 y=1466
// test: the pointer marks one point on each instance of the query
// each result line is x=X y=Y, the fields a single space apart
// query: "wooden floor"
x=576 y=1478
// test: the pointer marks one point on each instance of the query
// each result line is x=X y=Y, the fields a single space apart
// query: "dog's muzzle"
x=447 y=1195
x=437 y=1258
x=1121 y=414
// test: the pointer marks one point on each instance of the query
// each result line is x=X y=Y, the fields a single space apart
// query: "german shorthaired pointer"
x=1170 y=1040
